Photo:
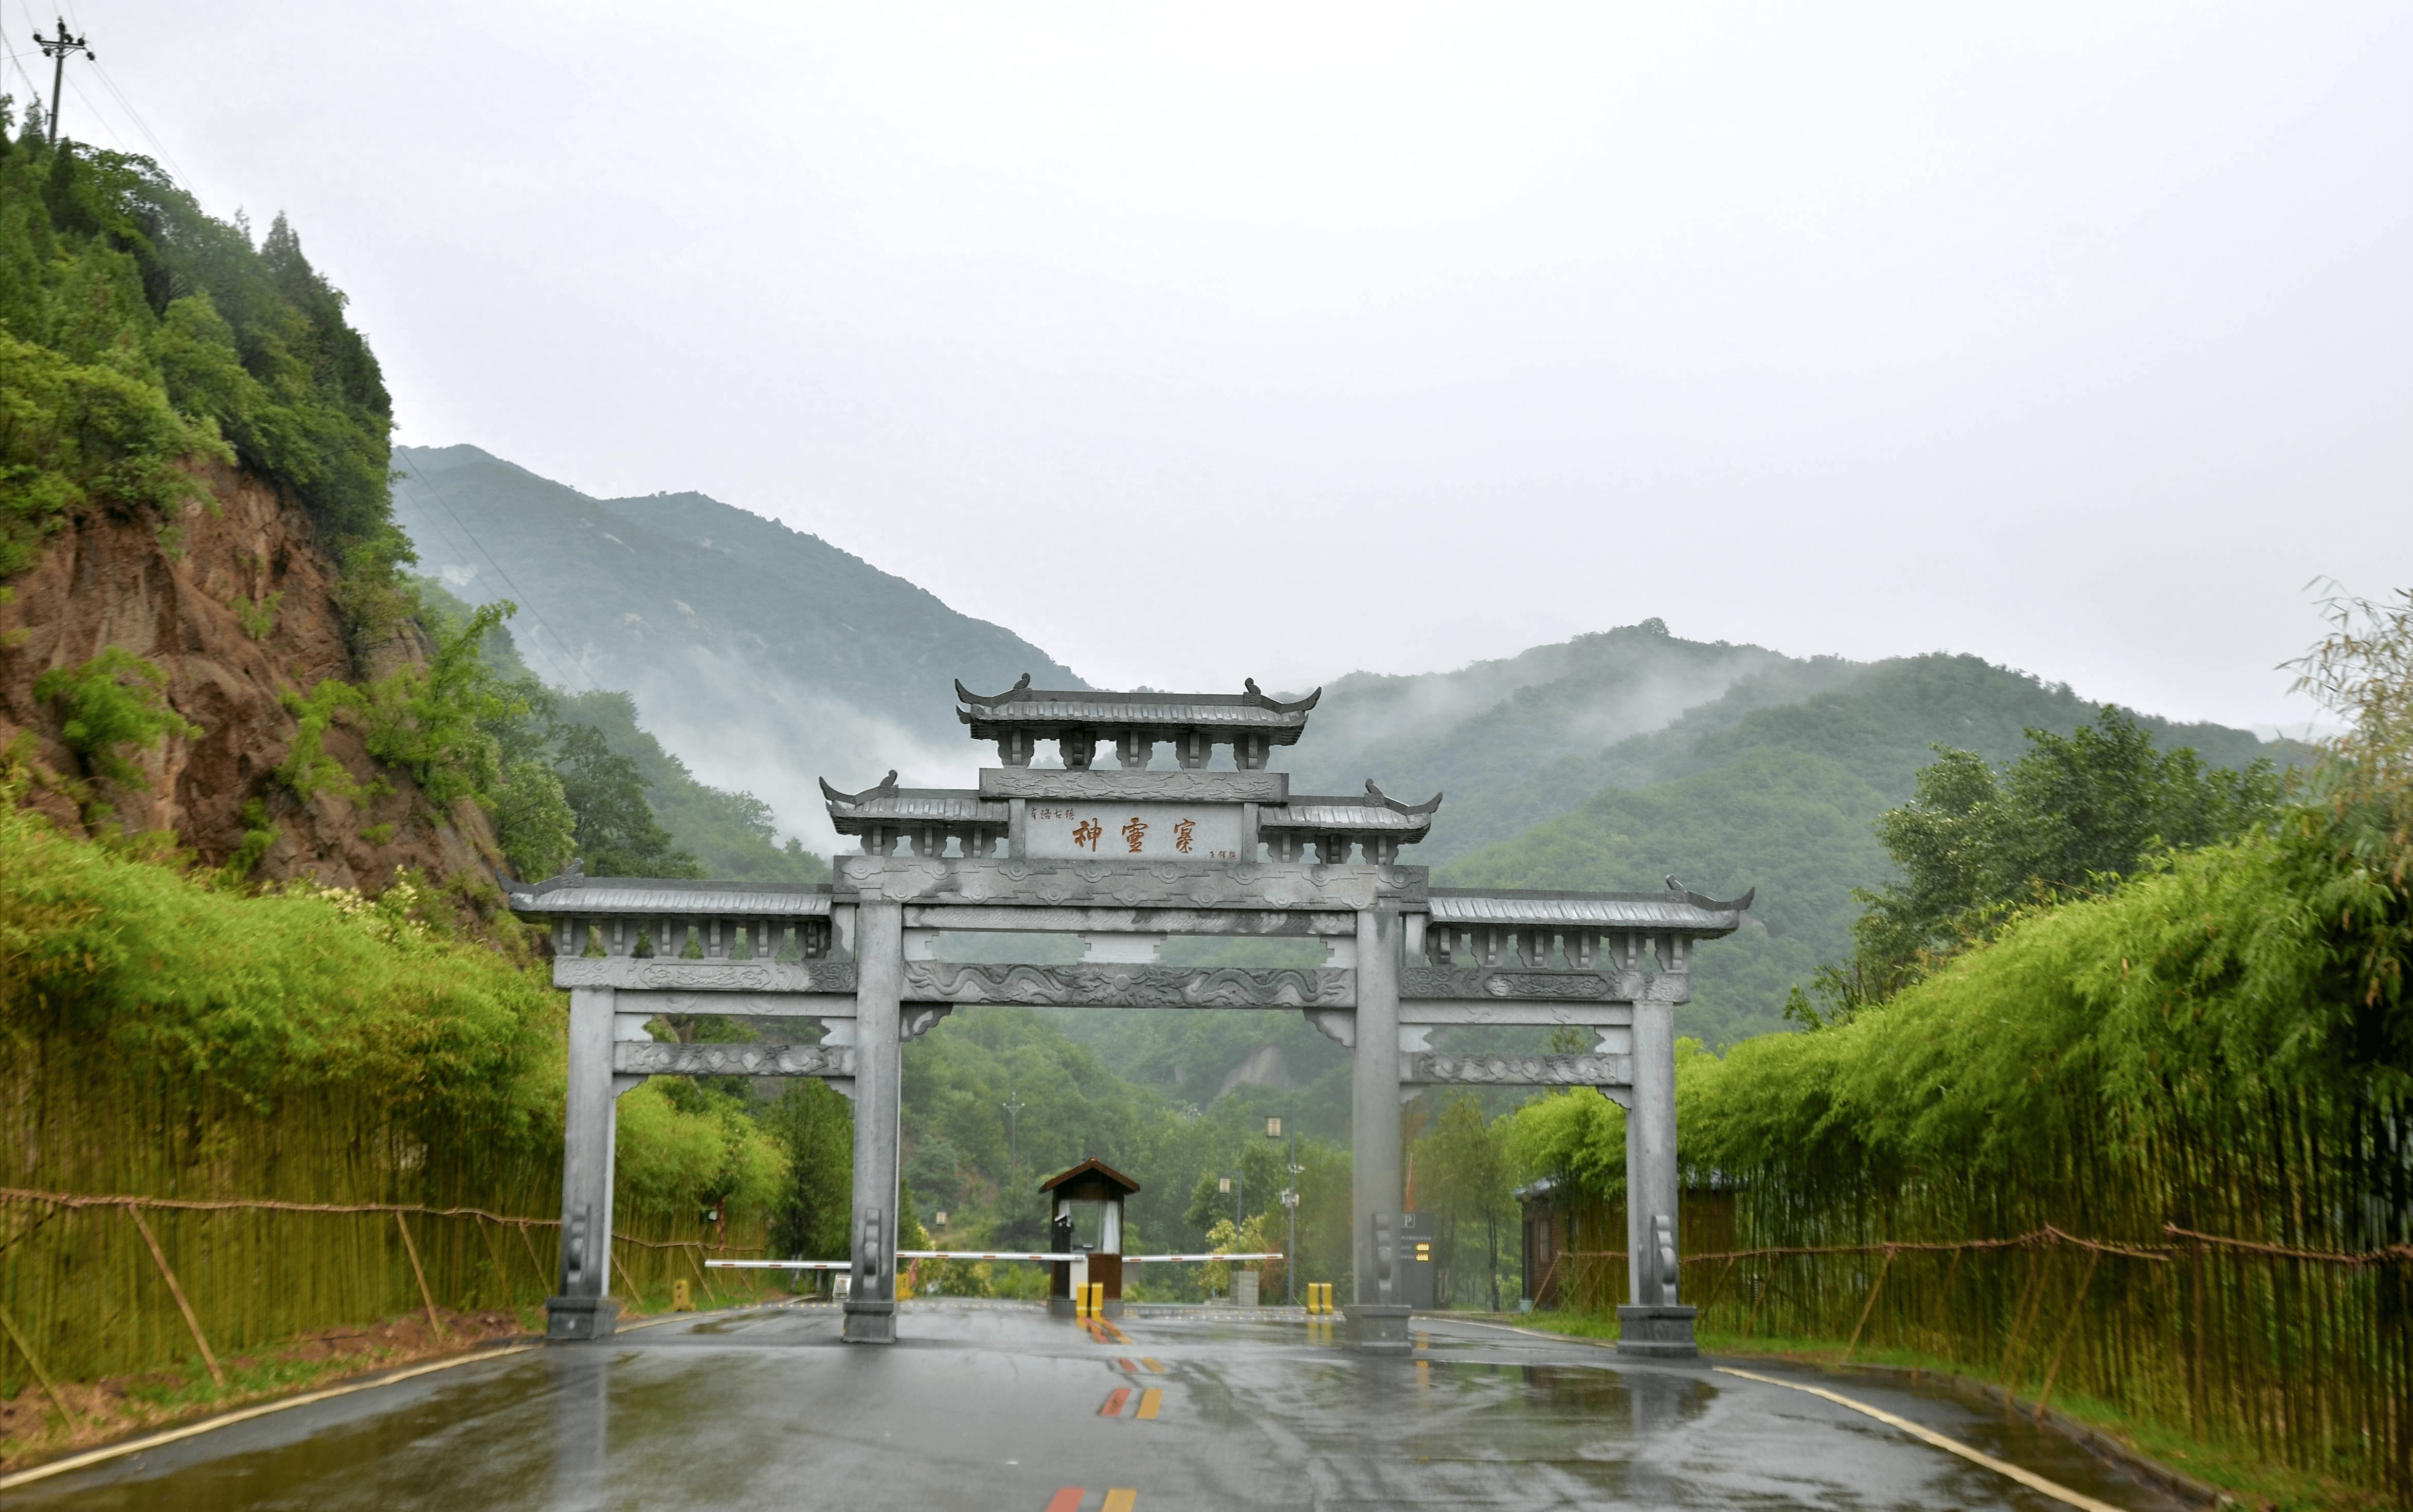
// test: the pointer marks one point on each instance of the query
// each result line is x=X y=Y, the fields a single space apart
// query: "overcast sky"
x=1202 y=341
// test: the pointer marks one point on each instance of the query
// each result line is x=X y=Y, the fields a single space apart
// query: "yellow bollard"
x=1080 y=1301
x=681 y=1300
x=1097 y=1298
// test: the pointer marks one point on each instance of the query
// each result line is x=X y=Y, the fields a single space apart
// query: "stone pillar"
x=880 y=979
x=1378 y=1323
x=584 y=1309
x=1654 y=1322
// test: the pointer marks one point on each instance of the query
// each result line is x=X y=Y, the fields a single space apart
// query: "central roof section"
x=1251 y=722
x=1087 y=813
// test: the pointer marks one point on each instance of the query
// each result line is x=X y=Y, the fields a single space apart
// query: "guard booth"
x=1087 y=1224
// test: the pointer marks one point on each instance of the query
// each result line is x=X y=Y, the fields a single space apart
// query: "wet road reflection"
x=999 y=1406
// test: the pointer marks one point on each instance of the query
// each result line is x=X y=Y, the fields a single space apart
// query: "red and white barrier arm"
x=969 y=1254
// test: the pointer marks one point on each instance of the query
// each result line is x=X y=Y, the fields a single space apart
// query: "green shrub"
x=112 y=702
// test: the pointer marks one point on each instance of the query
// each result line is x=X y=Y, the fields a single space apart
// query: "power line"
x=417 y=476
x=143 y=126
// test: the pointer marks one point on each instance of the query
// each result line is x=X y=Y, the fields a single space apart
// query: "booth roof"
x=1091 y=1166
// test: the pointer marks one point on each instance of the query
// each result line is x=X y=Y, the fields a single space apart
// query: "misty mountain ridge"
x=766 y=657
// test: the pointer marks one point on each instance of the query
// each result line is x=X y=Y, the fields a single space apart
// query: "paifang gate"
x=1125 y=857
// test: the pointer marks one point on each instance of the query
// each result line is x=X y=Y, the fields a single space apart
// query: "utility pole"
x=58 y=49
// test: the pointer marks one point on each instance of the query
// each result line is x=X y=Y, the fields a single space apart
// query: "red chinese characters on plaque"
x=1172 y=832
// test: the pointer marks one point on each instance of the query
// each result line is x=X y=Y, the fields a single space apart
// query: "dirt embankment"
x=236 y=603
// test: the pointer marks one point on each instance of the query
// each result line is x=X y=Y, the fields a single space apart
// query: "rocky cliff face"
x=235 y=602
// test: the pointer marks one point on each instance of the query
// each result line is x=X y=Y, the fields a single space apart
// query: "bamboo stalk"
x=66 y=1418
x=2077 y=1310
x=1875 y=1288
x=178 y=1292
x=412 y=1249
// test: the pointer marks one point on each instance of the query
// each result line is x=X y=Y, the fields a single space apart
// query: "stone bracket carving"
x=1097 y=784
x=1084 y=920
x=921 y=1019
x=631 y=1057
x=1340 y=1027
x=1126 y=882
x=1432 y=1068
x=1478 y=983
x=1107 y=986
x=657 y=975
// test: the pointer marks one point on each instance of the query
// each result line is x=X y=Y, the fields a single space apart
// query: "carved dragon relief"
x=673 y=975
x=636 y=1057
x=1517 y=1070
x=1102 y=784
x=1477 y=982
x=1131 y=987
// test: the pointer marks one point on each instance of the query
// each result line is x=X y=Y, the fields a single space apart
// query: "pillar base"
x=574 y=1318
x=1657 y=1332
x=1064 y=1307
x=1377 y=1329
x=870 y=1322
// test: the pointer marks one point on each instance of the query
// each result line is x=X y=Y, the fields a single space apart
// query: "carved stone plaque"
x=1078 y=828
x=636 y=1057
x=1107 y=986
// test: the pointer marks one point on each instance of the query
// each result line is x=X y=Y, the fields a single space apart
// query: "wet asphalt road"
x=990 y=1405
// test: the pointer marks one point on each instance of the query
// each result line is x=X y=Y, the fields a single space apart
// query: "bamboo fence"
x=92 y=1287
x=171 y=1225
x=2303 y=1354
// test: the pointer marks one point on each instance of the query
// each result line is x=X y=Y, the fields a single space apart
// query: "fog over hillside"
x=762 y=657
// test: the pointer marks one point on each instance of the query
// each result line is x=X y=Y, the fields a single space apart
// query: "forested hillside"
x=765 y=658
x=1766 y=788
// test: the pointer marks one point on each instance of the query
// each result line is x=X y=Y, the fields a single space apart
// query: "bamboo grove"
x=256 y=1064
x=2152 y=1146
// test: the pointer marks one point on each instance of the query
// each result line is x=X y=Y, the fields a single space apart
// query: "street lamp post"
x=1290 y=1201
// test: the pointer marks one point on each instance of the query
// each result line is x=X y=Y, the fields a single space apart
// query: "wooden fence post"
x=66 y=1418
x=1765 y=1282
x=191 y=1322
x=697 y=1261
x=1869 y=1307
x=1942 y=1306
x=544 y=1277
x=2077 y=1307
x=425 y=1296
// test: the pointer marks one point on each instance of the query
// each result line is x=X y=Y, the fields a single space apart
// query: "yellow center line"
x=1149 y=1400
x=2025 y=1477
x=1120 y=1500
x=1153 y=1364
